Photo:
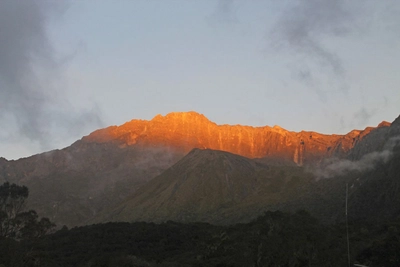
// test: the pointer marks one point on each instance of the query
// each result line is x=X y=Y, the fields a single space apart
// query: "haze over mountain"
x=92 y=178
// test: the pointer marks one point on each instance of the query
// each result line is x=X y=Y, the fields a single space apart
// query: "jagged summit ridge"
x=185 y=116
x=187 y=130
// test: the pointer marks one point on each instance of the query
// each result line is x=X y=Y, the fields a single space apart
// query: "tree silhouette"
x=14 y=221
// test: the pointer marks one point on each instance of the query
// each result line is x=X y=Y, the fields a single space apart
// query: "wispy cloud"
x=362 y=116
x=224 y=12
x=302 y=28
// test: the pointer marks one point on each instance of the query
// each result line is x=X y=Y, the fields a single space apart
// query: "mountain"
x=220 y=187
x=187 y=130
x=209 y=186
x=73 y=185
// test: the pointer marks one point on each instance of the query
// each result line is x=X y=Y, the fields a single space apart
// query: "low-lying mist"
x=337 y=167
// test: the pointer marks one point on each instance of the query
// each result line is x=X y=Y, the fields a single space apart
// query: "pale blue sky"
x=327 y=66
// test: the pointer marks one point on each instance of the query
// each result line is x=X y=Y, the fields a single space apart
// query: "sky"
x=68 y=68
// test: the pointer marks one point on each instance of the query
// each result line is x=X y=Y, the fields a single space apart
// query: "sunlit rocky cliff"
x=187 y=130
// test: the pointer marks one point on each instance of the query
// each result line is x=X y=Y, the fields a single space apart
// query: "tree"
x=14 y=221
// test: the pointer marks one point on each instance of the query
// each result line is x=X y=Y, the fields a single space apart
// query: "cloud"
x=363 y=116
x=336 y=167
x=302 y=29
x=31 y=80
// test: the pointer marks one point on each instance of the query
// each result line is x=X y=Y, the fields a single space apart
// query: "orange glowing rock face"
x=187 y=130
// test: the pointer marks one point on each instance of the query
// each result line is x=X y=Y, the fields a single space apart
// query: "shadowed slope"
x=73 y=184
x=207 y=185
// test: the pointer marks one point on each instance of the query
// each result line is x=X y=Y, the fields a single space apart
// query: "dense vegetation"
x=274 y=239
x=15 y=222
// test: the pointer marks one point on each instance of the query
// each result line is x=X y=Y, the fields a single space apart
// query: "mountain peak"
x=208 y=154
x=189 y=116
x=203 y=181
x=384 y=124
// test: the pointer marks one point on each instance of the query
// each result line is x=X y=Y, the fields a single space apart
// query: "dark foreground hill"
x=274 y=239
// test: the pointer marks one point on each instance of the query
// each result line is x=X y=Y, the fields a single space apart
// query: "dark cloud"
x=24 y=47
x=31 y=88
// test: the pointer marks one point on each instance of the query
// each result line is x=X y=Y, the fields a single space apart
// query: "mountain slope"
x=211 y=186
x=73 y=184
x=377 y=194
